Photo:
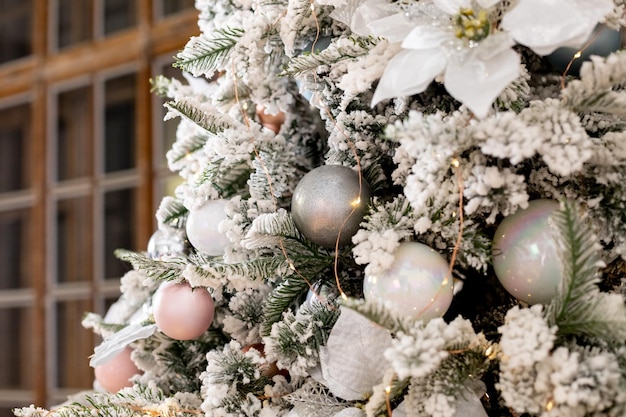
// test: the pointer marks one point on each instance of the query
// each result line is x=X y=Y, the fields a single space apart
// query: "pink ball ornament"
x=417 y=284
x=182 y=312
x=116 y=373
x=203 y=228
x=525 y=255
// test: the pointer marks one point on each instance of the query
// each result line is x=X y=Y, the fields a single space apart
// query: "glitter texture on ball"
x=329 y=200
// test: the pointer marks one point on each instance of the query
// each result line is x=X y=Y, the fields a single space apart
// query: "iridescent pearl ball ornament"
x=203 y=228
x=165 y=243
x=182 y=312
x=602 y=42
x=525 y=255
x=115 y=374
x=329 y=200
x=417 y=284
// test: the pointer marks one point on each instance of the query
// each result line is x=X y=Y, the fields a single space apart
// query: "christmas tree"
x=411 y=208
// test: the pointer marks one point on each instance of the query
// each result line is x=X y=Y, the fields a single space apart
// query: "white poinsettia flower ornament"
x=455 y=39
x=462 y=43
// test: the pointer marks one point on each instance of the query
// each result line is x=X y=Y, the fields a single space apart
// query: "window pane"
x=168 y=7
x=119 y=230
x=16 y=31
x=17 y=348
x=74 y=345
x=15 y=240
x=74 y=23
x=14 y=148
x=74 y=240
x=119 y=14
x=119 y=126
x=74 y=134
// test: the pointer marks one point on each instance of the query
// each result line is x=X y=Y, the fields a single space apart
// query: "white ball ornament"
x=203 y=228
x=525 y=253
x=329 y=200
x=182 y=312
x=417 y=284
x=115 y=374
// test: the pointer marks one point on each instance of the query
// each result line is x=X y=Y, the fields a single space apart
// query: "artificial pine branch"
x=375 y=312
x=269 y=230
x=600 y=87
x=280 y=299
x=204 y=56
x=258 y=269
x=171 y=211
x=186 y=146
x=315 y=400
x=189 y=110
x=160 y=85
x=348 y=48
x=186 y=360
x=158 y=270
x=228 y=180
x=295 y=340
x=579 y=308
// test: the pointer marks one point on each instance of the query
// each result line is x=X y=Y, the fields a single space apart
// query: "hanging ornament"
x=115 y=374
x=272 y=122
x=417 y=284
x=329 y=200
x=602 y=42
x=182 y=312
x=165 y=243
x=525 y=254
x=268 y=369
x=316 y=46
x=203 y=228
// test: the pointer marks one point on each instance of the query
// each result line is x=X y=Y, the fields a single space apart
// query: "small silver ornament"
x=166 y=243
x=329 y=200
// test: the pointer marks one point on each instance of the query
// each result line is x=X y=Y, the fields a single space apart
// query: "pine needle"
x=336 y=52
x=158 y=270
x=579 y=308
x=204 y=56
x=600 y=88
x=190 y=111
x=379 y=314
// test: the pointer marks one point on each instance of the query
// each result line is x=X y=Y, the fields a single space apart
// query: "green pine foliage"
x=580 y=309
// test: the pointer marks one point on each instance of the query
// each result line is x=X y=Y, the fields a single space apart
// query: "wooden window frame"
x=37 y=79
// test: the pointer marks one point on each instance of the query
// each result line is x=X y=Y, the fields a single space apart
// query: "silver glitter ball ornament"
x=164 y=243
x=329 y=200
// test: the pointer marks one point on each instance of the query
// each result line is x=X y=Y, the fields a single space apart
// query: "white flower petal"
x=452 y=7
x=560 y=22
x=409 y=72
x=477 y=83
x=426 y=37
x=394 y=28
x=358 y=14
x=485 y=4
